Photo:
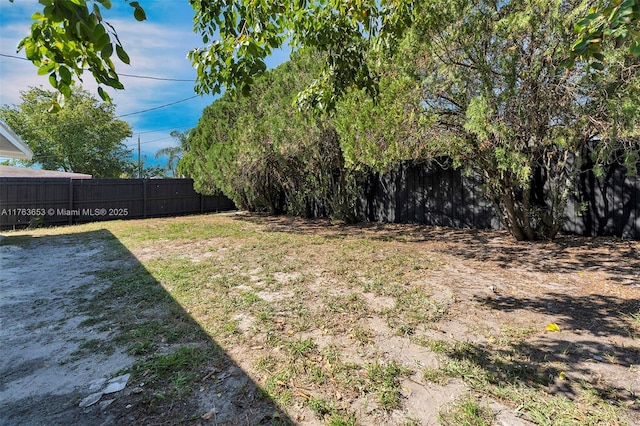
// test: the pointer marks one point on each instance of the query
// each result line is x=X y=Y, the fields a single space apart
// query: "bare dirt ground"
x=42 y=378
x=489 y=285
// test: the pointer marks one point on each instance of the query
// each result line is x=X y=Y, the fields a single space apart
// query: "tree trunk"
x=513 y=224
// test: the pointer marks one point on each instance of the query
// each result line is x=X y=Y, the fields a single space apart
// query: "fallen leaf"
x=209 y=415
x=553 y=327
x=304 y=394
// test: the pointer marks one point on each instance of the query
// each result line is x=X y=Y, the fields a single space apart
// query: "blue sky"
x=157 y=47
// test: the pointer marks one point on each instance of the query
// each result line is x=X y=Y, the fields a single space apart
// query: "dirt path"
x=44 y=374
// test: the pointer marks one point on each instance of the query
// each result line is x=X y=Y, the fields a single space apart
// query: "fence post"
x=144 y=198
x=70 y=201
x=201 y=204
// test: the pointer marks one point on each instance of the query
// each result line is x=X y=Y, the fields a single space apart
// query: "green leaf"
x=107 y=51
x=102 y=42
x=99 y=32
x=65 y=75
x=65 y=92
x=597 y=65
x=55 y=107
x=122 y=54
x=104 y=95
x=53 y=80
x=569 y=63
x=139 y=14
x=96 y=12
x=46 y=68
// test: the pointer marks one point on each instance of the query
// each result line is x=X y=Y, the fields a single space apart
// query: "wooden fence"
x=432 y=195
x=49 y=201
x=425 y=194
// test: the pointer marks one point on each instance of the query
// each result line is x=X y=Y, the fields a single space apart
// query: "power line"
x=155 y=78
x=158 y=107
x=156 y=140
x=13 y=56
x=120 y=74
x=162 y=130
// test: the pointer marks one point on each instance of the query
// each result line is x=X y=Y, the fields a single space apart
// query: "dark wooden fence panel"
x=23 y=200
x=168 y=198
x=609 y=205
x=432 y=195
x=428 y=194
x=108 y=199
x=67 y=201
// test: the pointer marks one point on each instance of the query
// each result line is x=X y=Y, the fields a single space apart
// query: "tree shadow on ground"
x=594 y=353
x=109 y=305
x=620 y=259
x=595 y=314
x=556 y=366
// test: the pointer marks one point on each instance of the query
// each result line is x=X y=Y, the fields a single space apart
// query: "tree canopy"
x=83 y=137
x=485 y=85
x=68 y=38
x=265 y=155
x=174 y=153
x=614 y=22
x=478 y=82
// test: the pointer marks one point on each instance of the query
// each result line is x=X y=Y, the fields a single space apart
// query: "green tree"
x=152 y=172
x=264 y=154
x=175 y=153
x=69 y=37
x=496 y=95
x=614 y=22
x=485 y=85
x=84 y=137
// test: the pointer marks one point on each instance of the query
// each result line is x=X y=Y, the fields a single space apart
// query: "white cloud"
x=157 y=48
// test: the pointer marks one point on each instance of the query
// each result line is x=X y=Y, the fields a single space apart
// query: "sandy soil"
x=42 y=378
x=487 y=282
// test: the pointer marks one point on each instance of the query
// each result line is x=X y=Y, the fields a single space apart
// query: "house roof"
x=10 y=171
x=11 y=146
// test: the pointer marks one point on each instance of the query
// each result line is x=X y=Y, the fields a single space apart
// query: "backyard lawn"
x=250 y=319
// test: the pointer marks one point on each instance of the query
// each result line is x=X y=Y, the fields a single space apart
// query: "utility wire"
x=121 y=74
x=155 y=78
x=162 y=130
x=156 y=140
x=13 y=56
x=158 y=107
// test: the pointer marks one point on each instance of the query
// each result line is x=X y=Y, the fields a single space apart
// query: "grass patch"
x=633 y=319
x=466 y=412
x=174 y=374
x=511 y=375
x=385 y=382
x=331 y=413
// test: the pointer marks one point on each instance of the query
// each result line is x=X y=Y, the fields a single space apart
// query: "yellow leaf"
x=553 y=327
x=562 y=376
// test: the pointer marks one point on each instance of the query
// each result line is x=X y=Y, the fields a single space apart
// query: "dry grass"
x=388 y=324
